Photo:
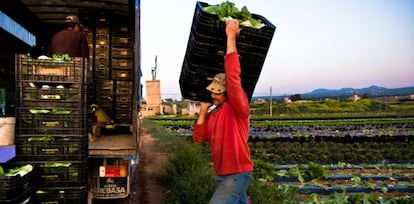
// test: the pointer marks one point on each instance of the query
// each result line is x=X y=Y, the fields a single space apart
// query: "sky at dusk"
x=317 y=43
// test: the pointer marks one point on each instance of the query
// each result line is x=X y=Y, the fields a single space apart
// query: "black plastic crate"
x=102 y=51
x=50 y=121
x=78 y=195
x=124 y=98
x=68 y=173
x=102 y=71
x=17 y=188
x=105 y=84
x=102 y=61
x=124 y=87
x=106 y=97
x=195 y=96
x=122 y=41
x=196 y=81
x=122 y=63
x=49 y=148
x=215 y=28
x=46 y=70
x=123 y=30
x=194 y=66
x=121 y=74
x=27 y=197
x=120 y=52
x=206 y=48
x=123 y=116
x=202 y=41
x=213 y=55
x=51 y=97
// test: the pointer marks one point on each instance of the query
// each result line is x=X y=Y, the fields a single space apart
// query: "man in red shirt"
x=225 y=126
x=70 y=40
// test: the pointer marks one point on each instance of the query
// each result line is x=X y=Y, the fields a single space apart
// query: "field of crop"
x=324 y=156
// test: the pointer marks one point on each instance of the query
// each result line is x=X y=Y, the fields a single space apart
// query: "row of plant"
x=269 y=122
x=191 y=180
x=351 y=132
x=334 y=129
x=380 y=167
x=334 y=106
x=332 y=152
x=317 y=178
x=340 y=168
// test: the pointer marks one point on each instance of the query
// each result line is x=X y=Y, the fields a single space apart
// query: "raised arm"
x=232 y=31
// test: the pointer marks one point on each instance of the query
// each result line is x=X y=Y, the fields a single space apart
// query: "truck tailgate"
x=113 y=145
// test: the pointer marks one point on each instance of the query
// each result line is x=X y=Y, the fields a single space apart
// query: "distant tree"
x=296 y=97
x=365 y=96
x=169 y=100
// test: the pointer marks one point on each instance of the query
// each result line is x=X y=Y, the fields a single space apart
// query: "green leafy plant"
x=316 y=171
x=228 y=9
x=296 y=172
x=64 y=57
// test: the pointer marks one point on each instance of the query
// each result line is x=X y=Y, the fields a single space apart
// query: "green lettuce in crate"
x=21 y=170
x=228 y=9
x=64 y=57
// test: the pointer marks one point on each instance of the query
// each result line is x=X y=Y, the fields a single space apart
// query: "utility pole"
x=270 y=101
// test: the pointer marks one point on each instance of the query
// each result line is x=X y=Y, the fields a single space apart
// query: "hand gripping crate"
x=207 y=46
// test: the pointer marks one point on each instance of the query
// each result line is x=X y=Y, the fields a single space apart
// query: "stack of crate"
x=122 y=62
x=51 y=128
x=113 y=66
x=206 y=48
x=104 y=85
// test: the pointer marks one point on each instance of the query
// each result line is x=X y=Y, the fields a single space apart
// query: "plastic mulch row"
x=350 y=189
x=338 y=177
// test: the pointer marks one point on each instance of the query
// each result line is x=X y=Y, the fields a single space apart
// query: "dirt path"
x=147 y=186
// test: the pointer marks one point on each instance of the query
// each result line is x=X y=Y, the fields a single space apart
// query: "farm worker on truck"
x=70 y=40
x=225 y=126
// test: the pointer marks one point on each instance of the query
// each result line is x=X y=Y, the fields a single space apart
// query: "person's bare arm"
x=232 y=30
x=203 y=112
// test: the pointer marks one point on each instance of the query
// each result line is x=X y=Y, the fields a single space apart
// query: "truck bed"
x=113 y=145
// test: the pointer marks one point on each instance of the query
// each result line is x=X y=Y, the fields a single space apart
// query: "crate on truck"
x=55 y=99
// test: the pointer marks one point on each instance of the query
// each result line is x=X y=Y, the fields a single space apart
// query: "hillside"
x=371 y=92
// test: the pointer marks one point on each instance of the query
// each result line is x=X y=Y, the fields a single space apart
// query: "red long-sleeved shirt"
x=227 y=128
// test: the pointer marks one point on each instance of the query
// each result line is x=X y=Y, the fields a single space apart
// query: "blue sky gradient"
x=317 y=44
